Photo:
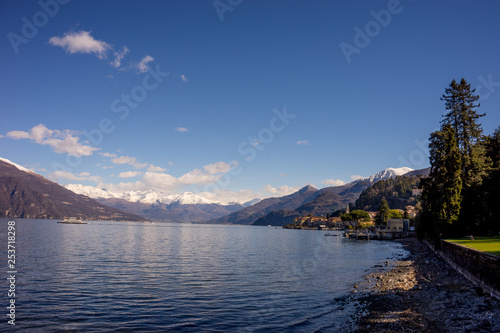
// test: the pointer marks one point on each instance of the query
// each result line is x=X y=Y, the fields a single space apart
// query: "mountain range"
x=325 y=200
x=330 y=199
x=157 y=206
x=249 y=215
x=190 y=207
x=23 y=193
x=148 y=197
x=26 y=194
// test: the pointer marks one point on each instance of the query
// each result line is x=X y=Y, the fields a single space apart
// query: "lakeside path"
x=422 y=293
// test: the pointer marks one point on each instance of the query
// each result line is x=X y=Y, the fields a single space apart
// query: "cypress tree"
x=383 y=212
x=460 y=101
x=441 y=198
x=491 y=185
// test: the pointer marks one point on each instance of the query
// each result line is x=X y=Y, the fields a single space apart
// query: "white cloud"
x=255 y=142
x=210 y=173
x=129 y=174
x=182 y=129
x=356 y=177
x=18 y=135
x=123 y=187
x=62 y=142
x=303 y=143
x=107 y=155
x=218 y=167
x=226 y=196
x=154 y=168
x=153 y=178
x=280 y=191
x=81 y=42
x=119 y=55
x=56 y=175
x=142 y=66
x=332 y=182
x=198 y=177
x=184 y=78
x=124 y=160
x=159 y=180
x=130 y=161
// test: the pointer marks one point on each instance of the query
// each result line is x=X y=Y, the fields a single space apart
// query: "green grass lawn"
x=485 y=244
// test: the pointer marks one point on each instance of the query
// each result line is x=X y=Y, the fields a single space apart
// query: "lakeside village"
x=359 y=224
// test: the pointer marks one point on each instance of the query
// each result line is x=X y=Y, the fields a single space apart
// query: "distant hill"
x=330 y=199
x=422 y=172
x=397 y=191
x=326 y=200
x=277 y=218
x=25 y=194
x=250 y=214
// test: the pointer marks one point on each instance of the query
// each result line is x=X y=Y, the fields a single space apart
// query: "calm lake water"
x=126 y=276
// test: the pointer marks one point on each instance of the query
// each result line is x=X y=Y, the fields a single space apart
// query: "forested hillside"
x=397 y=191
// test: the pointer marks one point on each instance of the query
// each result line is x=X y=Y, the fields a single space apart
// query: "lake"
x=130 y=276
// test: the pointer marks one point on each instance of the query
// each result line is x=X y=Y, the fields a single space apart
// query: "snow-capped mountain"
x=16 y=165
x=26 y=194
x=146 y=197
x=248 y=203
x=90 y=191
x=193 y=207
x=188 y=198
x=158 y=206
x=388 y=173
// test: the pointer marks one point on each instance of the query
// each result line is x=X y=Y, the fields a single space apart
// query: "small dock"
x=360 y=235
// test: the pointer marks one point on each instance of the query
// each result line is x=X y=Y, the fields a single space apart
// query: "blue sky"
x=238 y=99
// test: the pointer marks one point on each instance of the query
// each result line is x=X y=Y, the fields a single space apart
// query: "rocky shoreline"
x=422 y=293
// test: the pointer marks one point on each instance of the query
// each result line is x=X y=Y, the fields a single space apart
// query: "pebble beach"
x=422 y=293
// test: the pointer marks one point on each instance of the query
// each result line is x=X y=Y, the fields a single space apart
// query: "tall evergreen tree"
x=441 y=198
x=460 y=101
x=491 y=185
x=383 y=212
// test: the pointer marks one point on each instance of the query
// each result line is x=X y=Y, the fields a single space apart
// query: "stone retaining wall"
x=480 y=268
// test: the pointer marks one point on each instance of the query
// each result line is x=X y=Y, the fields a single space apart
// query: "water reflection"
x=185 y=277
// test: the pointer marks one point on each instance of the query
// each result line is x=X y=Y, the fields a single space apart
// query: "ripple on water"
x=186 y=278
